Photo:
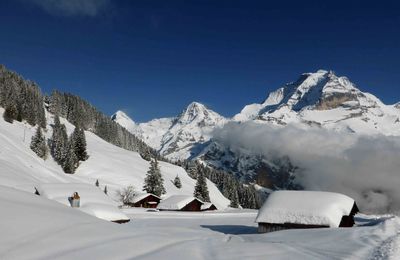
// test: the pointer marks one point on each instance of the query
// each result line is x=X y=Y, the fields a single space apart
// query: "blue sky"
x=152 y=58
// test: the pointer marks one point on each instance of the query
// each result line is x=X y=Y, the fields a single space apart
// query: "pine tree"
x=71 y=161
x=10 y=113
x=192 y=170
x=80 y=144
x=38 y=144
x=154 y=182
x=234 y=200
x=177 y=182
x=59 y=142
x=97 y=183
x=201 y=190
x=105 y=190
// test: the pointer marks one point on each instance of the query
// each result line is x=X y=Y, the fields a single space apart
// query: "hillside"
x=111 y=165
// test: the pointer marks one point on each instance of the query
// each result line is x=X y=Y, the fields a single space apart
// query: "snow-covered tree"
x=177 y=182
x=59 y=142
x=10 y=113
x=71 y=162
x=154 y=182
x=38 y=144
x=192 y=170
x=234 y=200
x=201 y=189
x=79 y=140
x=126 y=195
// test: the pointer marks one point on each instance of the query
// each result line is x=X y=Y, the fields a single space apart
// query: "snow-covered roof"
x=176 y=202
x=207 y=205
x=305 y=207
x=93 y=201
x=141 y=196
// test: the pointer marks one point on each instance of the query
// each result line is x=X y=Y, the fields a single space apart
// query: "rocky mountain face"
x=325 y=100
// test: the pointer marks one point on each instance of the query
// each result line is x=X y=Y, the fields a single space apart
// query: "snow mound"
x=305 y=207
x=93 y=201
x=176 y=202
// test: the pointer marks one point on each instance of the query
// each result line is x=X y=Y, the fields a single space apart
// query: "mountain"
x=325 y=100
x=319 y=100
x=179 y=137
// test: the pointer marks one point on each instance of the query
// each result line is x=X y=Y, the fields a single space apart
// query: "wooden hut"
x=180 y=203
x=306 y=209
x=146 y=200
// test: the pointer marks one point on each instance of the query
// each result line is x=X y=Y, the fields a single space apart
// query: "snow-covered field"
x=33 y=227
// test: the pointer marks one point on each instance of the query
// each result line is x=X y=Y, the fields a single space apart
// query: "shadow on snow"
x=232 y=229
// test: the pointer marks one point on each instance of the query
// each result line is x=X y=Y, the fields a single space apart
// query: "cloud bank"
x=72 y=7
x=366 y=168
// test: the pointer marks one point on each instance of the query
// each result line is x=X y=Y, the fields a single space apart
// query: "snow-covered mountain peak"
x=124 y=120
x=120 y=115
x=199 y=113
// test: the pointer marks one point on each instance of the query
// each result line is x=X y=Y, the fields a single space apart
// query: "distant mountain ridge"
x=176 y=137
x=315 y=100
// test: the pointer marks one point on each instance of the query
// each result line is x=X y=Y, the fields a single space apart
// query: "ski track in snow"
x=388 y=249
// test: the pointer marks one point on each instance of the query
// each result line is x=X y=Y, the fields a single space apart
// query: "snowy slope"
x=111 y=165
x=322 y=99
x=179 y=137
x=36 y=228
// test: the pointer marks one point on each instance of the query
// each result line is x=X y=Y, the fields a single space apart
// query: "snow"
x=36 y=228
x=93 y=201
x=305 y=207
x=176 y=202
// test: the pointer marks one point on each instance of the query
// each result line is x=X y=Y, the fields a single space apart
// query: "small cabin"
x=306 y=209
x=180 y=203
x=145 y=200
x=208 y=206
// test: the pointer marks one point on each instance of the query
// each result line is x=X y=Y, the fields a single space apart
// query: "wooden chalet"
x=146 y=200
x=180 y=203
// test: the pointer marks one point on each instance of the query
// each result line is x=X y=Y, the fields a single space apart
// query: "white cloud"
x=366 y=168
x=72 y=7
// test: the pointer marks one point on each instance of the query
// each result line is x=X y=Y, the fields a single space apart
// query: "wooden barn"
x=306 y=209
x=146 y=200
x=208 y=206
x=180 y=203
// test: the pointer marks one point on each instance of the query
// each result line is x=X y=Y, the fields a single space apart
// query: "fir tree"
x=154 y=182
x=10 y=113
x=97 y=183
x=38 y=144
x=234 y=200
x=59 y=142
x=177 y=182
x=71 y=161
x=105 y=190
x=192 y=170
x=80 y=144
x=201 y=190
